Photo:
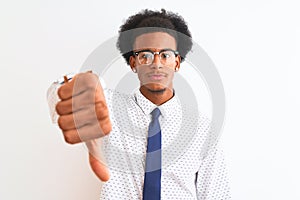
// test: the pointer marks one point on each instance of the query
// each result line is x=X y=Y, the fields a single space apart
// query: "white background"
x=254 y=44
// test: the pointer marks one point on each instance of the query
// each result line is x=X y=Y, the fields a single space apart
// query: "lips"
x=156 y=77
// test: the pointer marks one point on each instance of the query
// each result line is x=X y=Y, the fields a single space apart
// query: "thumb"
x=99 y=168
x=96 y=159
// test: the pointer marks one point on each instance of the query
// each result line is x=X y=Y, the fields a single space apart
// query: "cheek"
x=170 y=77
x=141 y=74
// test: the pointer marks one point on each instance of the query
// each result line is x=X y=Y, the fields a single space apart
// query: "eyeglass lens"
x=146 y=57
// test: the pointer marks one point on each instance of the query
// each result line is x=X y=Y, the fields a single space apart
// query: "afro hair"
x=147 y=21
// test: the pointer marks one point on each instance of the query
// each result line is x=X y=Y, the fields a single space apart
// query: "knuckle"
x=90 y=110
x=90 y=84
x=58 y=108
x=76 y=104
x=101 y=110
x=60 y=92
x=100 y=105
x=61 y=122
x=88 y=80
x=107 y=129
x=69 y=138
x=90 y=95
x=106 y=126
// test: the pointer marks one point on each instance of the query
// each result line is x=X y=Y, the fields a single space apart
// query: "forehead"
x=155 y=41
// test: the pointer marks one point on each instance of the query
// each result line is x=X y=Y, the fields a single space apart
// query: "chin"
x=155 y=86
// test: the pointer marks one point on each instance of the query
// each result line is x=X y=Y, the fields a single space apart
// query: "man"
x=144 y=134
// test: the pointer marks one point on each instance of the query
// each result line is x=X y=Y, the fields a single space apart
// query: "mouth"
x=156 y=77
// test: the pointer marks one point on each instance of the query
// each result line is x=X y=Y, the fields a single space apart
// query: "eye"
x=146 y=55
x=166 y=54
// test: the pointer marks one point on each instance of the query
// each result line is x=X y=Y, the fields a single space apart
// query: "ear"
x=177 y=61
x=132 y=62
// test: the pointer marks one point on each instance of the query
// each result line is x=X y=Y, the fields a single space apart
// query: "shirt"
x=193 y=164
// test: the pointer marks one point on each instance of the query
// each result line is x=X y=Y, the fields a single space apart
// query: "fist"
x=83 y=113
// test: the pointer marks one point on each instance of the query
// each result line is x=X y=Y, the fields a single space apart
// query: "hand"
x=83 y=114
x=96 y=160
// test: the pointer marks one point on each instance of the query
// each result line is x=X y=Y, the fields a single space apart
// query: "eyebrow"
x=149 y=50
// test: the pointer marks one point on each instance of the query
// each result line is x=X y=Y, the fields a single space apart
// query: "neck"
x=157 y=97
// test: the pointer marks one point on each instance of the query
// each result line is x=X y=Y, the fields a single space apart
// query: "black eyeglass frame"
x=176 y=53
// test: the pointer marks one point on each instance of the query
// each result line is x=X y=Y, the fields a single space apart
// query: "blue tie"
x=153 y=160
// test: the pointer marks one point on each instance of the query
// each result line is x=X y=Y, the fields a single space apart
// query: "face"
x=157 y=76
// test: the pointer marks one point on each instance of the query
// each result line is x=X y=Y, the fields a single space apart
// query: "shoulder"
x=114 y=96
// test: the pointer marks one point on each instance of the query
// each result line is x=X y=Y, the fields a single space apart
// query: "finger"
x=66 y=90
x=77 y=85
x=76 y=103
x=88 y=132
x=76 y=120
x=85 y=116
x=97 y=161
x=89 y=96
x=99 y=168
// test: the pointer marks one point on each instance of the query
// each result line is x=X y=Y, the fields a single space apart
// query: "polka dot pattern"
x=193 y=166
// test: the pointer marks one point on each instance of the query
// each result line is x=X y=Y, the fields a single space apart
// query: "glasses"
x=146 y=57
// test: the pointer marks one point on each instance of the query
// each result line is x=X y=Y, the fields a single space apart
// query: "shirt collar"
x=167 y=109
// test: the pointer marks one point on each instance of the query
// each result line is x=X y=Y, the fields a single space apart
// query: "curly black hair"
x=147 y=21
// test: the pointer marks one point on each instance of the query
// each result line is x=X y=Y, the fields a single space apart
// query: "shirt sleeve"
x=212 y=179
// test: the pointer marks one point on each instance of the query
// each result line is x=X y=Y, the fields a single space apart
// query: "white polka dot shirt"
x=192 y=163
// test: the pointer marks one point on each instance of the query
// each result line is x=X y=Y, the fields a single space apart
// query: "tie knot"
x=155 y=113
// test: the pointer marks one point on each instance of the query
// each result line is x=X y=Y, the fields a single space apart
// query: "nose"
x=156 y=62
